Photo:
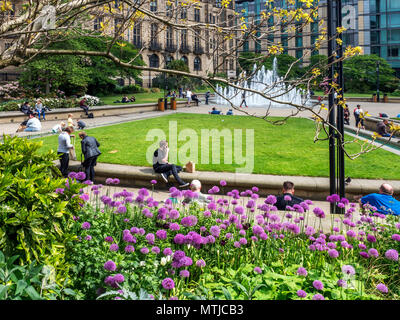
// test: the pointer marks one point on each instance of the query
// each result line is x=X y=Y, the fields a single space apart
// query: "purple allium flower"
x=121 y=209
x=239 y=210
x=236 y=244
x=287 y=198
x=72 y=175
x=222 y=183
x=258 y=270
x=333 y=253
x=302 y=271
x=371 y=238
x=318 y=297
x=319 y=212
x=392 y=254
x=109 y=239
x=167 y=252
x=382 y=288
x=351 y=234
x=161 y=234
x=364 y=254
x=215 y=231
x=184 y=273
x=88 y=238
x=80 y=176
x=156 y=250
x=144 y=250
x=153 y=181
x=342 y=283
x=119 y=278
x=174 y=226
x=318 y=285
x=396 y=237
x=110 y=265
x=86 y=225
x=114 y=247
x=301 y=293
x=168 y=284
x=348 y=269
x=129 y=248
x=200 y=263
x=189 y=221
x=373 y=253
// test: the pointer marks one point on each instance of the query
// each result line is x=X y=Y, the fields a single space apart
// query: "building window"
x=393 y=51
x=153 y=32
x=184 y=13
x=185 y=60
x=168 y=60
x=153 y=5
x=117 y=26
x=184 y=38
x=196 y=15
x=299 y=41
x=168 y=10
x=137 y=38
x=154 y=61
x=169 y=38
x=97 y=23
x=299 y=54
x=197 y=64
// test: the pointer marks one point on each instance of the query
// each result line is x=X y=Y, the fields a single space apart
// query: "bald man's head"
x=386 y=189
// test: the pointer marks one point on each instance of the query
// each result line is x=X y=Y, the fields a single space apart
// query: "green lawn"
x=281 y=150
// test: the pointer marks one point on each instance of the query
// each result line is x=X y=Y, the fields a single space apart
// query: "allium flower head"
x=347 y=269
x=200 y=263
x=258 y=270
x=301 y=293
x=168 y=284
x=110 y=265
x=318 y=297
x=382 y=288
x=114 y=247
x=392 y=254
x=86 y=225
x=318 y=285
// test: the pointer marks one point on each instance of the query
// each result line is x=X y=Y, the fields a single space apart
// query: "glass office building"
x=372 y=24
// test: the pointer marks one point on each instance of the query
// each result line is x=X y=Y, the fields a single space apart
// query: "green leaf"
x=21 y=285
x=69 y=292
x=3 y=291
x=32 y=293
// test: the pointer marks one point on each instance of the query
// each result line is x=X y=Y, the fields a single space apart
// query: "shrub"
x=36 y=205
x=11 y=106
x=132 y=89
x=155 y=90
x=90 y=100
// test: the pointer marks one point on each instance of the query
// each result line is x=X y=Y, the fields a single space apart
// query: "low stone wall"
x=100 y=111
x=313 y=188
x=371 y=122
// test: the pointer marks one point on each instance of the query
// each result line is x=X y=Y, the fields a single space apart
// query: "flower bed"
x=237 y=247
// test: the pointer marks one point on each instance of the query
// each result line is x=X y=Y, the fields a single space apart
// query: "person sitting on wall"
x=83 y=105
x=215 y=111
x=195 y=99
x=381 y=128
x=26 y=108
x=161 y=165
x=287 y=198
x=383 y=201
x=195 y=186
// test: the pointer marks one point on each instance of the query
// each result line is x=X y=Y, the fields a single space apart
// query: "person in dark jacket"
x=287 y=198
x=382 y=129
x=26 y=108
x=90 y=150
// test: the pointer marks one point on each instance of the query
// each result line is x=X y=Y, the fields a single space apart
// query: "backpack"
x=90 y=115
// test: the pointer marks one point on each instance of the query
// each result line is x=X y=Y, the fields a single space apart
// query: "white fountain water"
x=269 y=83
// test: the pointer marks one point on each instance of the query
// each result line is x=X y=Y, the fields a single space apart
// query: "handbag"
x=72 y=153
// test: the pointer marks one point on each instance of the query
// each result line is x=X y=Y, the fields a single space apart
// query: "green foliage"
x=360 y=74
x=29 y=282
x=75 y=74
x=34 y=219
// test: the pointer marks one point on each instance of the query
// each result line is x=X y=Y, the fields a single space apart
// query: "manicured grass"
x=280 y=150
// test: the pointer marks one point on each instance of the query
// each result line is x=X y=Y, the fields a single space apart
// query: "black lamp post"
x=377 y=81
x=336 y=114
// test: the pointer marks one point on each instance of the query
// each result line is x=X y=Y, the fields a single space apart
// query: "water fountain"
x=267 y=82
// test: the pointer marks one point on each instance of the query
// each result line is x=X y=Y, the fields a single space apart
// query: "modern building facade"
x=372 y=24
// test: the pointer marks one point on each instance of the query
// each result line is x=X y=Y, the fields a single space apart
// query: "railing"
x=184 y=49
x=155 y=46
x=198 y=50
x=170 y=48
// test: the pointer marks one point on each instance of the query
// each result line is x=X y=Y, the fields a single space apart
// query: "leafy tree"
x=360 y=74
x=76 y=74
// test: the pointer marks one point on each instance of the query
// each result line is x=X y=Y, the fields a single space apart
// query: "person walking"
x=90 y=150
x=358 y=114
x=64 y=145
x=188 y=97
x=40 y=109
x=243 y=100
x=207 y=96
x=161 y=165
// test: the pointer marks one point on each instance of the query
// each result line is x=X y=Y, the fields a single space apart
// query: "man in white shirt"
x=188 y=97
x=64 y=144
x=33 y=124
